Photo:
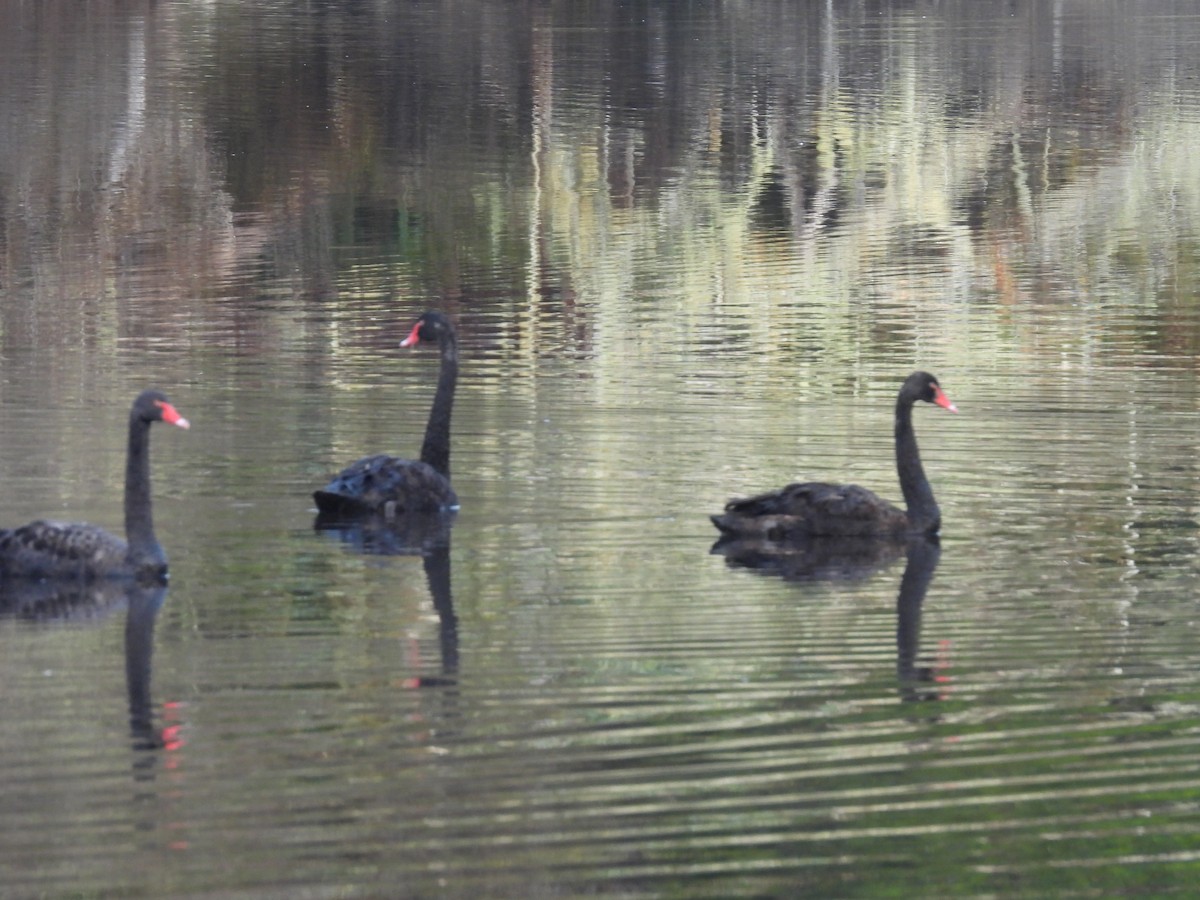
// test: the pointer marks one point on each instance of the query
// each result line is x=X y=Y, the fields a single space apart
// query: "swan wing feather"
x=44 y=548
x=386 y=484
x=812 y=508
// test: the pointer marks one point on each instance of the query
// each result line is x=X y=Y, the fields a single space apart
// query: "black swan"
x=393 y=487
x=44 y=549
x=845 y=510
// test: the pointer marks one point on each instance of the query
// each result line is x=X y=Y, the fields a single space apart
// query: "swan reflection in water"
x=416 y=534
x=412 y=534
x=63 y=599
x=922 y=555
x=851 y=560
x=144 y=602
x=73 y=601
x=437 y=573
x=826 y=559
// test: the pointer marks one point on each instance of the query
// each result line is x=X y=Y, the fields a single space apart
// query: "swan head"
x=432 y=327
x=925 y=387
x=153 y=406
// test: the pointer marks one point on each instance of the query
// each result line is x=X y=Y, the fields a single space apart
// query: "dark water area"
x=691 y=251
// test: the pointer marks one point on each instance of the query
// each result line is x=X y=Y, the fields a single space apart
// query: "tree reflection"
x=209 y=151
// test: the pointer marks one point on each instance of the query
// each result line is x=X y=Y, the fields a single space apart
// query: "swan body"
x=393 y=487
x=44 y=547
x=48 y=549
x=388 y=486
x=818 y=509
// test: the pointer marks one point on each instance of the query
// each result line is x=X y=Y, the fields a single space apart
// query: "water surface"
x=692 y=252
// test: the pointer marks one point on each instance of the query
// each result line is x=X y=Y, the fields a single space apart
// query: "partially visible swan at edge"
x=47 y=549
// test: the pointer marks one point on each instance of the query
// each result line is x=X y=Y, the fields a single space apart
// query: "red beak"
x=940 y=398
x=171 y=416
x=413 y=337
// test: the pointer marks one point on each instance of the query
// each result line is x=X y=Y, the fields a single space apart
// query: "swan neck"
x=139 y=522
x=435 y=451
x=923 y=512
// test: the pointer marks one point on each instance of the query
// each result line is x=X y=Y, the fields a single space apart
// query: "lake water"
x=692 y=250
